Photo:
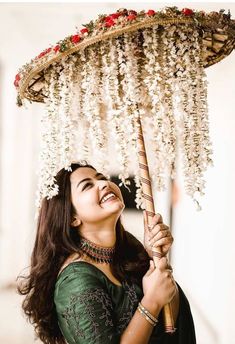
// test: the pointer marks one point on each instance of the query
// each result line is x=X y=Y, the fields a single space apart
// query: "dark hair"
x=55 y=241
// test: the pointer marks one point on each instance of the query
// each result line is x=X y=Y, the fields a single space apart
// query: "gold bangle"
x=153 y=323
x=155 y=320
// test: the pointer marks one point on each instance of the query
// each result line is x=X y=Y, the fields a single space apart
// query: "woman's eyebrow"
x=86 y=179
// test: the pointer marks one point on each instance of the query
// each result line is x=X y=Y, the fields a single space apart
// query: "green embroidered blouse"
x=93 y=310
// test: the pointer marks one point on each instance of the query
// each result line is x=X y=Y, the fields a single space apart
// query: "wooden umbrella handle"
x=149 y=206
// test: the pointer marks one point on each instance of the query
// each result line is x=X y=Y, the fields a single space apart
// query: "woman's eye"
x=86 y=185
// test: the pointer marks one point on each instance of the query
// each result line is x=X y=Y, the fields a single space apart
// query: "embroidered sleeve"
x=84 y=310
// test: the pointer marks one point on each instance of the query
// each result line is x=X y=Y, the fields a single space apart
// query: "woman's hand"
x=157 y=235
x=158 y=283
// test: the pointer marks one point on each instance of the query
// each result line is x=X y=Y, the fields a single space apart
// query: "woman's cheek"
x=118 y=193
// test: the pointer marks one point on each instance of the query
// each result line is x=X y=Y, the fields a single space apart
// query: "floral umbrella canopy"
x=123 y=75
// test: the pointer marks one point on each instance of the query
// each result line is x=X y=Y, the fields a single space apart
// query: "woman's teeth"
x=107 y=197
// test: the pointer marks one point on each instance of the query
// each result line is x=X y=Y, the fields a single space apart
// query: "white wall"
x=203 y=251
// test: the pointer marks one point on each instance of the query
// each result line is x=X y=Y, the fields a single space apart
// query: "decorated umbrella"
x=124 y=77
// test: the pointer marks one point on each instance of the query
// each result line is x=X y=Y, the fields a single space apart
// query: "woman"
x=93 y=282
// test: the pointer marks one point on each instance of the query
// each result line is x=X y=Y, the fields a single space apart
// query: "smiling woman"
x=91 y=281
x=95 y=199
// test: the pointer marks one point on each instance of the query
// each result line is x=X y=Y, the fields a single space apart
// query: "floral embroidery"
x=124 y=320
x=70 y=314
x=88 y=301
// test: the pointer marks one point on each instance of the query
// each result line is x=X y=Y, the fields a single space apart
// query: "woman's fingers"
x=159 y=232
x=165 y=267
x=162 y=263
x=161 y=242
x=157 y=219
x=169 y=267
x=156 y=229
x=154 y=221
x=151 y=268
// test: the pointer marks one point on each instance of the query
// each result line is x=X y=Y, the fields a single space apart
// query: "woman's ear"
x=75 y=221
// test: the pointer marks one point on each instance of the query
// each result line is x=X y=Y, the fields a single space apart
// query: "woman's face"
x=95 y=198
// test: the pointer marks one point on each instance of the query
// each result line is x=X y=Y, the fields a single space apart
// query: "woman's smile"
x=108 y=196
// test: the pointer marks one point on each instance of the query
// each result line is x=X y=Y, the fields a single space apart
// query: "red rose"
x=43 y=53
x=75 y=39
x=187 y=11
x=150 y=12
x=131 y=17
x=17 y=79
x=85 y=30
x=106 y=19
x=109 y=23
x=123 y=12
x=132 y=12
x=115 y=15
x=56 y=48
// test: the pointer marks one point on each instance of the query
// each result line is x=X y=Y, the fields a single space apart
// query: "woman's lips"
x=108 y=197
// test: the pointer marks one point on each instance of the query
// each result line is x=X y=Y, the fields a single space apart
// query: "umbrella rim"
x=30 y=74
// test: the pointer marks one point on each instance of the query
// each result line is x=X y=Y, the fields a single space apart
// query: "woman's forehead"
x=81 y=173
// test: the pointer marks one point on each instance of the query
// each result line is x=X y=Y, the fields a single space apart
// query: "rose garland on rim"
x=104 y=23
x=107 y=86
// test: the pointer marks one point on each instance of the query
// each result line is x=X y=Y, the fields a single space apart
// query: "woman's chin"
x=116 y=206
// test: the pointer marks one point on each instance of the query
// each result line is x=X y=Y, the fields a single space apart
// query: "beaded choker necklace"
x=97 y=253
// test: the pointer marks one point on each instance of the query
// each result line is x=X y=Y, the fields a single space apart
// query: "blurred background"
x=203 y=252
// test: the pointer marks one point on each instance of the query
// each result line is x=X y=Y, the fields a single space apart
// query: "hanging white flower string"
x=132 y=90
x=169 y=122
x=115 y=115
x=193 y=94
x=92 y=108
x=153 y=81
x=67 y=140
x=84 y=146
x=49 y=153
x=81 y=150
x=125 y=125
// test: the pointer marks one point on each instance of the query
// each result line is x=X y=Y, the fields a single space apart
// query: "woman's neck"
x=105 y=237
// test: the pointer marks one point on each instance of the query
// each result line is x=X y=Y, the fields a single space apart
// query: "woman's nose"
x=103 y=184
